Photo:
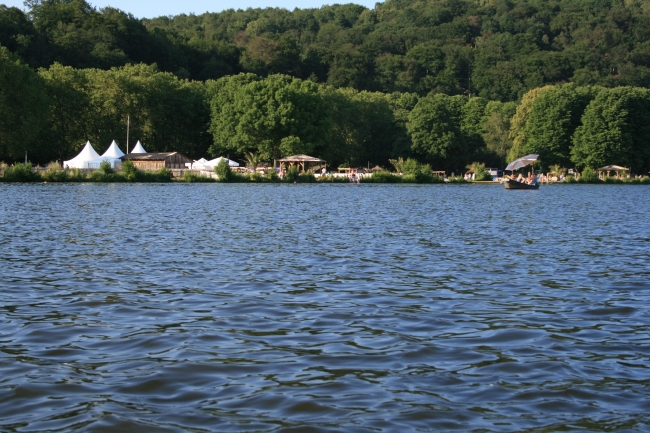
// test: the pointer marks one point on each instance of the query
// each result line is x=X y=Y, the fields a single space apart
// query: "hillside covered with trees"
x=445 y=81
x=496 y=49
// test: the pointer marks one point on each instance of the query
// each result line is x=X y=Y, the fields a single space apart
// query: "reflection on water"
x=169 y=308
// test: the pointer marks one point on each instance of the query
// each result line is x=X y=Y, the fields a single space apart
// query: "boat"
x=513 y=184
x=519 y=163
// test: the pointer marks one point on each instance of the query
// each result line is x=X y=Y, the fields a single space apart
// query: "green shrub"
x=589 y=175
x=483 y=176
x=54 y=173
x=272 y=176
x=612 y=180
x=194 y=178
x=458 y=179
x=164 y=175
x=382 y=177
x=645 y=180
x=306 y=178
x=105 y=167
x=223 y=171
x=480 y=172
x=129 y=171
x=335 y=179
x=256 y=177
x=292 y=174
x=21 y=173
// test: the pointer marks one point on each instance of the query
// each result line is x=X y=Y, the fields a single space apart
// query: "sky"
x=156 y=8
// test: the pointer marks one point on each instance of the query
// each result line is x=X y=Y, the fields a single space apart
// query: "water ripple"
x=326 y=308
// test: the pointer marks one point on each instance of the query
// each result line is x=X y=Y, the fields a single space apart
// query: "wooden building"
x=156 y=161
x=302 y=161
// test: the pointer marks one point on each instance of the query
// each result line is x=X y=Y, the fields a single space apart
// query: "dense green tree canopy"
x=435 y=132
x=498 y=50
x=277 y=116
x=553 y=119
x=615 y=130
x=23 y=106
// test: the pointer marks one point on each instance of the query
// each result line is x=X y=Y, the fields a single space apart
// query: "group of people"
x=530 y=180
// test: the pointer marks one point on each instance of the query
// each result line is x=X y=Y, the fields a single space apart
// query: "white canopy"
x=138 y=148
x=214 y=162
x=199 y=164
x=86 y=155
x=112 y=155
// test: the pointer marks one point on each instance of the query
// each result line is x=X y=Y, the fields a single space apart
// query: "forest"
x=447 y=82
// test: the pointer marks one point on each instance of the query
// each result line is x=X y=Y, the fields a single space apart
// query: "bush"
x=292 y=174
x=645 y=180
x=55 y=173
x=336 y=179
x=256 y=177
x=382 y=177
x=194 y=178
x=129 y=171
x=589 y=175
x=272 y=176
x=306 y=178
x=163 y=175
x=223 y=171
x=480 y=173
x=105 y=167
x=613 y=180
x=21 y=173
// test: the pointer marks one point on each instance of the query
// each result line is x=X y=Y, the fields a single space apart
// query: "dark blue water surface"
x=324 y=308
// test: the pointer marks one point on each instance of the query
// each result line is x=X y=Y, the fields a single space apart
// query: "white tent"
x=86 y=155
x=214 y=162
x=199 y=164
x=112 y=155
x=138 y=148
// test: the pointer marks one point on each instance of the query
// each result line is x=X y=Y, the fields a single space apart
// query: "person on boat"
x=520 y=178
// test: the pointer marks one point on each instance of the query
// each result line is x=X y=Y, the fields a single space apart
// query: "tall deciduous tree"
x=435 y=132
x=615 y=130
x=496 y=131
x=275 y=116
x=554 y=116
x=518 y=122
x=69 y=114
x=23 y=107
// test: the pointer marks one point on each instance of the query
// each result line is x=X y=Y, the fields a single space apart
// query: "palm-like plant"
x=398 y=164
x=557 y=170
x=252 y=159
x=476 y=167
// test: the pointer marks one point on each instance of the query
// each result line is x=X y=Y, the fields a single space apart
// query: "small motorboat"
x=519 y=163
x=513 y=184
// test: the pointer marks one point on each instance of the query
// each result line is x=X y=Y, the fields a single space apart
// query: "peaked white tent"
x=214 y=162
x=112 y=155
x=138 y=148
x=199 y=164
x=86 y=155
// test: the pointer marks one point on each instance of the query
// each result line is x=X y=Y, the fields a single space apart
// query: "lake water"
x=324 y=308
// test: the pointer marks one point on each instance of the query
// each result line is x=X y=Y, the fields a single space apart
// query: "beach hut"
x=112 y=155
x=302 y=161
x=609 y=168
x=156 y=161
x=86 y=155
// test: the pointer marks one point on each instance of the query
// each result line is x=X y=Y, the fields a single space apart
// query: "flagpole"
x=127 y=133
